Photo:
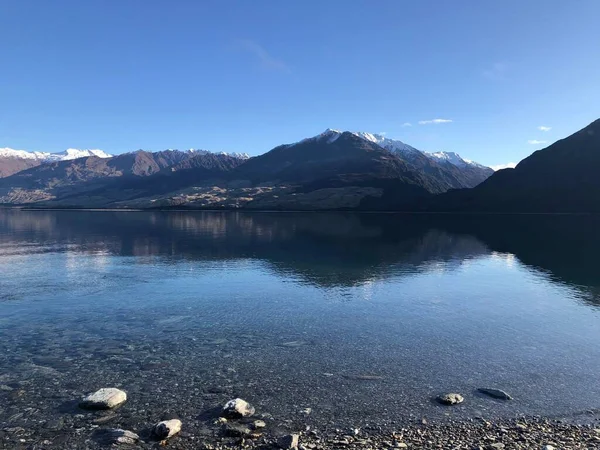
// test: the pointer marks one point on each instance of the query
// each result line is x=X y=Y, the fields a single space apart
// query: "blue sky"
x=245 y=76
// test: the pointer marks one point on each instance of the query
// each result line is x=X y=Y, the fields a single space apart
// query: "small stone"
x=289 y=441
x=451 y=399
x=259 y=424
x=401 y=445
x=496 y=446
x=105 y=398
x=238 y=408
x=496 y=393
x=167 y=428
x=548 y=447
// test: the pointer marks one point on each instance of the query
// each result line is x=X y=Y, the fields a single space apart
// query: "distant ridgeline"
x=335 y=170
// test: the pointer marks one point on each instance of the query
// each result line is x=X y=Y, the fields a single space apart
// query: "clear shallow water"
x=292 y=311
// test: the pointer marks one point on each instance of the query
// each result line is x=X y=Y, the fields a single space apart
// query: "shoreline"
x=211 y=432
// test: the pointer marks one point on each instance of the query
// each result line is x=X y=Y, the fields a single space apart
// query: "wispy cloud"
x=266 y=60
x=382 y=133
x=434 y=121
x=543 y=128
x=510 y=165
x=536 y=142
x=496 y=71
x=407 y=124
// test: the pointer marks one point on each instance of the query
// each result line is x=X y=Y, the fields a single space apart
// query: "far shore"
x=271 y=211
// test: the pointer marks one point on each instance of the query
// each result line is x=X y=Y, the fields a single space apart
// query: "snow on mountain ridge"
x=392 y=145
x=68 y=154
x=197 y=151
x=395 y=146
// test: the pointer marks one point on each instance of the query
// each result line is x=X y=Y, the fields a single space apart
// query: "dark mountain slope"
x=333 y=159
x=564 y=177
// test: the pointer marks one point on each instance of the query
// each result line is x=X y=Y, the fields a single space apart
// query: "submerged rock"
x=105 y=398
x=289 y=441
x=238 y=408
x=450 y=399
x=118 y=436
x=257 y=424
x=237 y=430
x=496 y=393
x=167 y=428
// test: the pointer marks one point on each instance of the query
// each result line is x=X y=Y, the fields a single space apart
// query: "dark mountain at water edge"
x=561 y=178
x=333 y=170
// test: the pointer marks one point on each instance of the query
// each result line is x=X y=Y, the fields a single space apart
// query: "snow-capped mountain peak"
x=392 y=145
x=398 y=147
x=75 y=153
x=451 y=157
x=207 y=152
x=330 y=134
x=455 y=159
x=68 y=154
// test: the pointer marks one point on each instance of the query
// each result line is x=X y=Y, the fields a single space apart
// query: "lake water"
x=364 y=319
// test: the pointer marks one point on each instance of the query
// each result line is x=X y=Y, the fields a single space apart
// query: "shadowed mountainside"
x=560 y=178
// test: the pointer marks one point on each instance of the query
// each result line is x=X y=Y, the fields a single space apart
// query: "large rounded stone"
x=105 y=398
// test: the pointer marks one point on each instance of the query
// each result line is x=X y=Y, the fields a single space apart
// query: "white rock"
x=238 y=408
x=549 y=447
x=167 y=428
x=105 y=398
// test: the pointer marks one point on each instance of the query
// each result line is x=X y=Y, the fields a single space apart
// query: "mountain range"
x=334 y=169
x=338 y=170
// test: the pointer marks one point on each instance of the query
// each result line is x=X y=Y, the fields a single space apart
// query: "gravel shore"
x=209 y=433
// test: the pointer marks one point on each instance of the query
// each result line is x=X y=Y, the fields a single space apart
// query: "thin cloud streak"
x=543 y=128
x=536 y=142
x=266 y=60
x=434 y=121
x=407 y=124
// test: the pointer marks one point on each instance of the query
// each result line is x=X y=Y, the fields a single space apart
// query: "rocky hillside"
x=77 y=178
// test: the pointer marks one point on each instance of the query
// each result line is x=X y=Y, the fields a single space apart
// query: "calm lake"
x=364 y=319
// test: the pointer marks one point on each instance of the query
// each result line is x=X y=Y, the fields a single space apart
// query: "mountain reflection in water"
x=324 y=249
